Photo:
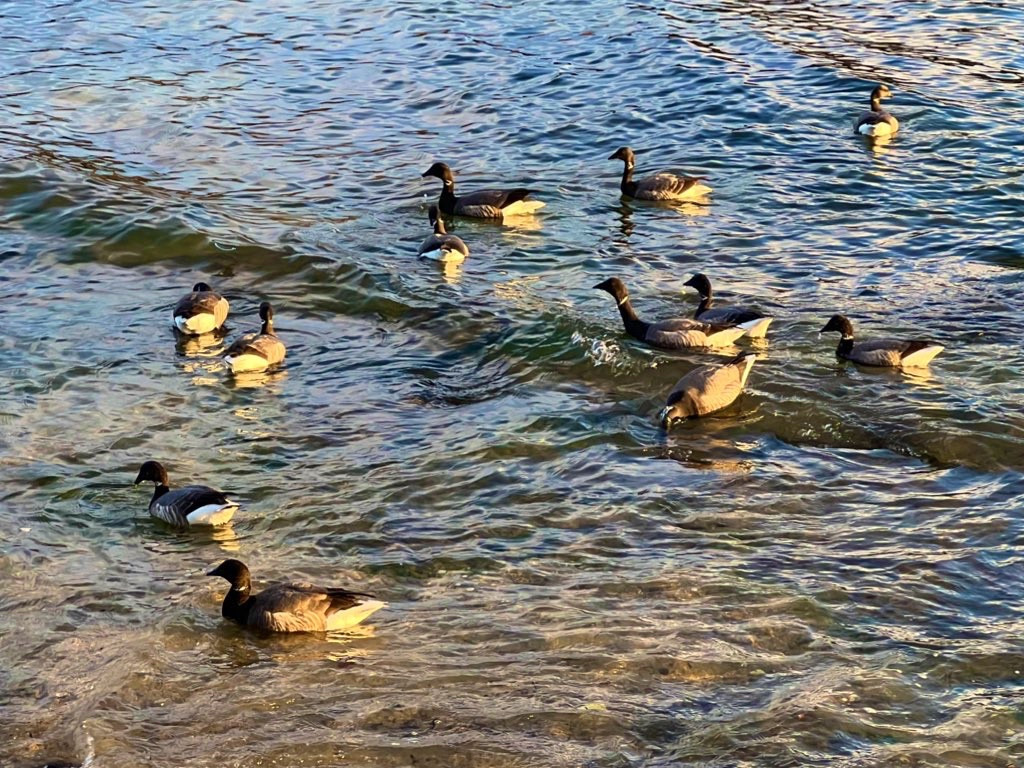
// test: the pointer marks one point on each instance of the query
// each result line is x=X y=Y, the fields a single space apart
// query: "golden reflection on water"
x=225 y=537
x=196 y=346
x=272 y=380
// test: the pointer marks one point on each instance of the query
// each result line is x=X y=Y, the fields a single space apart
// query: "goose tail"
x=921 y=357
x=212 y=514
x=522 y=208
x=354 y=615
x=757 y=329
x=725 y=337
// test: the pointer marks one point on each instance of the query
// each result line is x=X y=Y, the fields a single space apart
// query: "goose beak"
x=663 y=417
x=213 y=572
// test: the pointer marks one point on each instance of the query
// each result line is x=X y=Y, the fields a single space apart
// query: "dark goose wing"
x=265 y=345
x=681 y=333
x=299 y=607
x=198 y=303
x=488 y=203
x=436 y=243
x=870 y=117
x=175 y=506
x=887 y=352
x=729 y=315
x=712 y=387
x=664 y=186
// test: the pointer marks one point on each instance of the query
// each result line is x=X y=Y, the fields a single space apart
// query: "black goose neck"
x=236 y=602
x=845 y=346
x=705 y=304
x=876 y=104
x=447 y=200
x=267 y=329
x=159 y=491
x=634 y=325
x=627 y=185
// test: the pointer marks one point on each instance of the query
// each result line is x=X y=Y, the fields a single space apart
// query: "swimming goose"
x=298 y=607
x=190 y=505
x=679 y=333
x=256 y=351
x=756 y=322
x=707 y=389
x=876 y=121
x=663 y=185
x=441 y=246
x=200 y=312
x=891 y=353
x=484 y=203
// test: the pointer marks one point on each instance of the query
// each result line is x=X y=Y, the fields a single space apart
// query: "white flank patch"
x=435 y=255
x=878 y=129
x=725 y=338
x=246 y=363
x=922 y=357
x=212 y=514
x=757 y=329
x=446 y=255
x=352 y=616
x=197 y=324
x=522 y=208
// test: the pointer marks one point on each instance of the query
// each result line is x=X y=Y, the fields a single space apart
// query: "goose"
x=757 y=323
x=200 y=311
x=891 y=353
x=256 y=351
x=441 y=246
x=707 y=389
x=876 y=121
x=680 y=333
x=484 y=203
x=187 y=506
x=297 y=607
x=664 y=186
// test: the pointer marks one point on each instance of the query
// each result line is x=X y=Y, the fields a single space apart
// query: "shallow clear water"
x=828 y=573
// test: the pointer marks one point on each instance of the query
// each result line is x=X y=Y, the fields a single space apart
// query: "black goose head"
x=615 y=287
x=679 y=407
x=201 y=287
x=266 y=312
x=234 y=571
x=152 y=470
x=625 y=154
x=440 y=171
x=700 y=283
x=839 y=323
x=880 y=92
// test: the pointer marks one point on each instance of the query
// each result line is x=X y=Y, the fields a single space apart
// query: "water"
x=826 y=574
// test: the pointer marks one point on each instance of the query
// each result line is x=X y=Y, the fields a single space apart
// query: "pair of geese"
x=204 y=311
x=711 y=388
x=296 y=607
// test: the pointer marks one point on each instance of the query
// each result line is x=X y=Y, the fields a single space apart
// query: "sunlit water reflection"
x=824 y=574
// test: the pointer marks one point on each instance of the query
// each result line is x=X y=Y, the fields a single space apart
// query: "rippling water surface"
x=828 y=573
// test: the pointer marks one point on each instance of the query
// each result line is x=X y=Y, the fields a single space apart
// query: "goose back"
x=200 y=311
x=192 y=505
x=708 y=388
